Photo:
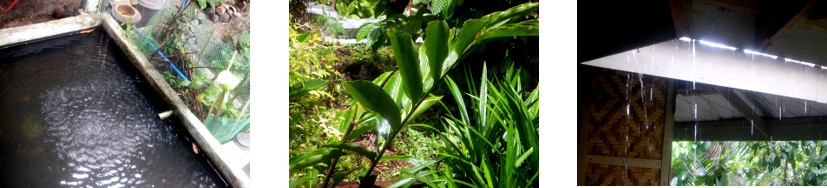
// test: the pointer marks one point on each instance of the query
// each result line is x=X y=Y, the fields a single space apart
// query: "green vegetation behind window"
x=748 y=163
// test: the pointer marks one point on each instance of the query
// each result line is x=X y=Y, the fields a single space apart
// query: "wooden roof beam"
x=736 y=101
x=681 y=10
x=801 y=16
x=738 y=5
x=760 y=107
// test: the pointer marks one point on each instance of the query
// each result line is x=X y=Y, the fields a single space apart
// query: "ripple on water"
x=85 y=122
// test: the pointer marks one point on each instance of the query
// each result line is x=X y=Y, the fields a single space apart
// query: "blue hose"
x=162 y=55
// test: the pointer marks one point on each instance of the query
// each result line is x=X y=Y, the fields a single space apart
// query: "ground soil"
x=25 y=12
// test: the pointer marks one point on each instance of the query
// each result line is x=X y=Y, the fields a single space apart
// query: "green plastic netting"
x=209 y=46
x=224 y=129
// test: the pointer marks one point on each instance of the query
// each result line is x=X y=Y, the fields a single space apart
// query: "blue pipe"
x=162 y=55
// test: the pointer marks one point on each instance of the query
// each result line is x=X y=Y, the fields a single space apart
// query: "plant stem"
x=404 y=123
x=336 y=160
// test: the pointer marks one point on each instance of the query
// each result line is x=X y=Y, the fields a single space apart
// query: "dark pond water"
x=74 y=112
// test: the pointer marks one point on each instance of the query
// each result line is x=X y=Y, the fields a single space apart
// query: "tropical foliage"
x=493 y=142
x=376 y=112
x=749 y=163
x=395 y=99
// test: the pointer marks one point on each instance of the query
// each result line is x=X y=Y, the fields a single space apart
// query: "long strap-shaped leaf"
x=407 y=58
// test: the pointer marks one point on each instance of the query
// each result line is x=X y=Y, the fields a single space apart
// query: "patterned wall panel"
x=626 y=113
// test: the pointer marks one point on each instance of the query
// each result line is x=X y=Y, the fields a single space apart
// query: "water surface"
x=74 y=112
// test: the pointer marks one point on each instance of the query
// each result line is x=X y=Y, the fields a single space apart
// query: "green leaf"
x=300 y=88
x=393 y=87
x=406 y=59
x=533 y=102
x=438 y=5
x=361 y=129
x=427 y=103
x=523 y=157
x=526 y=28
x=436 y=41
x=424 y=126
x=375 y=99
x=467 y=35
x=376 y=38
x=382 y=78
x=341 y=8
x=396 y=157
x=202 y=3
x=365 y=29
x=424 y=68
x=356 y=149
x=303 y=37
x=512 y=14
x=312 y=158
x=458 y=98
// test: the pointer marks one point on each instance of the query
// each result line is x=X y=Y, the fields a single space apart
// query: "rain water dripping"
x=628 y=125
x=694 y=69
x=645 y=112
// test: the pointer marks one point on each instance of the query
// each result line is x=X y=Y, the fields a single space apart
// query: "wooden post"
x=585 y=78
x=666 y=156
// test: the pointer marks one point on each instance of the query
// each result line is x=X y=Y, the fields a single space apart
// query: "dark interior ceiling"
x=610 y=27
x=792 y=28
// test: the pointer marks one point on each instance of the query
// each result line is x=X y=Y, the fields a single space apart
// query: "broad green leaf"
x=406 y=59
x=351 y=7
x=376 y=38
x=393 y=87
x=356 y=149
x=427 y=103
x=449 y=11
x=373 y=98
x=467 y=35
x=436 y=41
x=424 y=68
x=526 y=28
x=202 y=3
x=438 y=5
x=380 y=81
x=365 y=29
x=342 y=119
x=305 y=86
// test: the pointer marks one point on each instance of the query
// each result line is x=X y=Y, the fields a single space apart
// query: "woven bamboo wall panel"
x=601 y=175
x=625 y=120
